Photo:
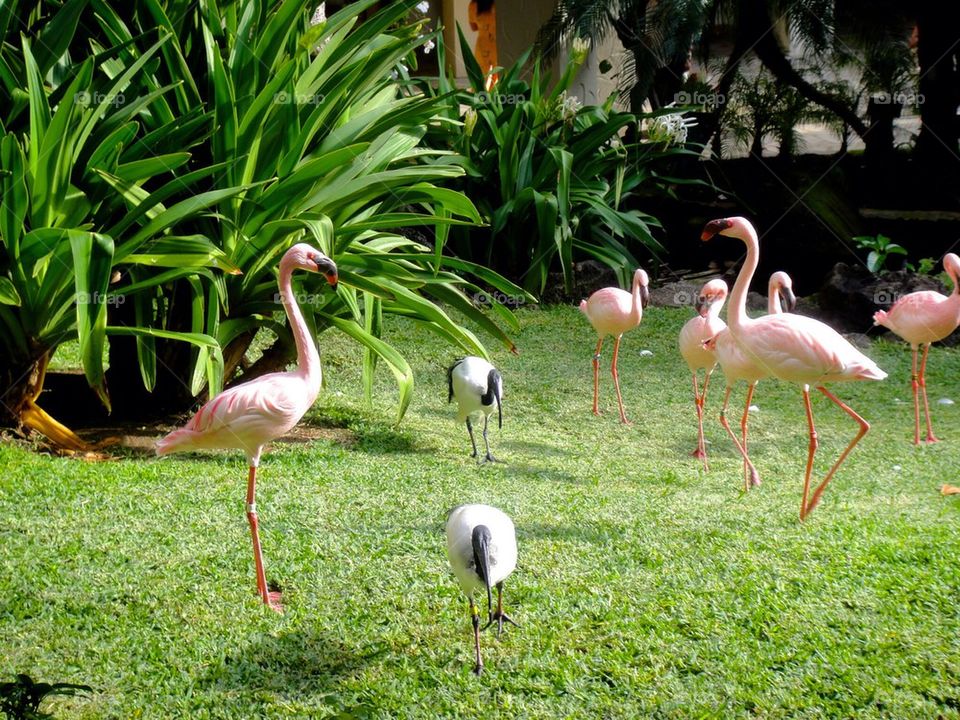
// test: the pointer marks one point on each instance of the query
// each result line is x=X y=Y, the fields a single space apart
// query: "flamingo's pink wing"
x=801 y=349
x=254 y=412
x=920 y=317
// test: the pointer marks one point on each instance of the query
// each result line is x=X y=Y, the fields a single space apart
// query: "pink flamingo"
x=922 y=318
x=613 y=311
x=794 y=348
x=695 y=332
x=249 y=415
x=737 y=365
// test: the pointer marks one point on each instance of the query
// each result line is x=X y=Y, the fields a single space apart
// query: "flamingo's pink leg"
x=914 y=385
x=811 y=451
x=864 y=427
x=616 y=379
x=748 y=477
x=270 y=599
x=754 y=476
x=701 y=451
x=931 y=438
x=596 y=377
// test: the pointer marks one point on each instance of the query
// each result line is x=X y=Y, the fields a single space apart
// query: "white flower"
x=469 y=121
x=423 y=7
x=670 y=129
x=428 y=46
x=646 y=353
x=581 y=48
x=568 y=105
x=319 y=15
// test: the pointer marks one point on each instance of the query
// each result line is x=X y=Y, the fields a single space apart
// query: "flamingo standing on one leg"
x=922 y=318
x=613 y=311
x=737 y=365
x=795 y=348
x=251 y=414
x=696 y=330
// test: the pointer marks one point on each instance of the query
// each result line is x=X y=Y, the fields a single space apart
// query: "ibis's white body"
x=470 y=380
x=503 y=545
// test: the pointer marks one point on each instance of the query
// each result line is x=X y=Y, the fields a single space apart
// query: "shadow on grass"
x=293 y=664
x=593 y=533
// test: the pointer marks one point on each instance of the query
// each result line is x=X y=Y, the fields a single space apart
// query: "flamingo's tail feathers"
x=173 y=442
x=583 y=306
x=880 y=317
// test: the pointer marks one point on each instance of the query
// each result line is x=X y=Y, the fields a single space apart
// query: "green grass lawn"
x=645 y=587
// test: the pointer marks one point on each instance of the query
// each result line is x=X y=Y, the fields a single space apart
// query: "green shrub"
x=555 y=180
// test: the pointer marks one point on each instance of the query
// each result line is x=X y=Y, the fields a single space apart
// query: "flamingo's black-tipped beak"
x=715 y=226
x=328 y=269
x=701 y=304
x=644 y=296
x=789 y=299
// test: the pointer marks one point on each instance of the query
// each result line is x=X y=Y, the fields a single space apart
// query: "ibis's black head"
x=494 y=393
x=481 y=558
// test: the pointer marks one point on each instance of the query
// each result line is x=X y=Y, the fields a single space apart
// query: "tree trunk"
x=21 y=388
x=939 y=56
x=753 y=33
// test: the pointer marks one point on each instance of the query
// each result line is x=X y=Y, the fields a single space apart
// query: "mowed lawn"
x=645 y=587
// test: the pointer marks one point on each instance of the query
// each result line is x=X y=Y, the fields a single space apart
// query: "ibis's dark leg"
x=500 y=616
x=486 y=444
x=475 y=614
x=472 y=440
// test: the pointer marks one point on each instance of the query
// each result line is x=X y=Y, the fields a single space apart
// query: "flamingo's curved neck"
x=737 y=314
x=636 y=309
x=308 y=360
x=773 y=299
x=713 y=312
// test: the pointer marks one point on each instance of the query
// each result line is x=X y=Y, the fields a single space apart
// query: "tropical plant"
x=61 y=134
x=158 y=161
x=553 y=178
x=760 y=107
x=311 y=125
x=880 y=249
x=656 y=35
x=20 y=699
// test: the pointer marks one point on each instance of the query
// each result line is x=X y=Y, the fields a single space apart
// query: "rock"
x=851 y=294
x=588 y=277
x=860 y=341
x=676 y=294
